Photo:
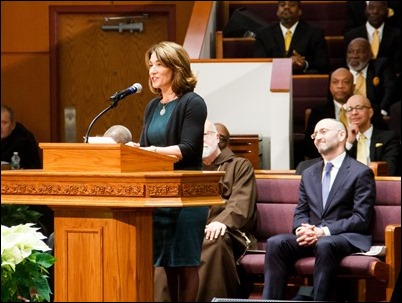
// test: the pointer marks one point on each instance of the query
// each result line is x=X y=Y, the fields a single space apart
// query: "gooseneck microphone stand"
x=113 y=105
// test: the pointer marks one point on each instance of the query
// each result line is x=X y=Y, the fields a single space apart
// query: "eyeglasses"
x=322 y=132
x=358 y=108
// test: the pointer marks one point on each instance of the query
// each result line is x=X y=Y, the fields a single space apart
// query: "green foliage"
x=29 y=280
x=14 y=214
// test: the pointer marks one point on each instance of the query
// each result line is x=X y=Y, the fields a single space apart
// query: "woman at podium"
x=174 y=125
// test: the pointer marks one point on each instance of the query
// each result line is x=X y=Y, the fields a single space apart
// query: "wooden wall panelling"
x=26 y=65
x=247 y=146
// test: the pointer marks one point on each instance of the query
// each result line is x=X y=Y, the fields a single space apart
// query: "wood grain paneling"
x=25 y=56
x=25 y=87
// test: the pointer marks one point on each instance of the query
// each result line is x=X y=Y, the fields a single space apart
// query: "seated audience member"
x=395 y=117
x=365 y=142
x=331 y=220
x=229 y=229
x=387 y=43
x=340 y=90
x=119 y=133
x=16 y=138
x=373 y=79
x=356 y=14
x=293 y=38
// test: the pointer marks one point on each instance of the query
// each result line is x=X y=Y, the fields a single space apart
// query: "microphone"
x=135 y=88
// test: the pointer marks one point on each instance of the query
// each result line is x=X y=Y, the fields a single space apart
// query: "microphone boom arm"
x=114 y=104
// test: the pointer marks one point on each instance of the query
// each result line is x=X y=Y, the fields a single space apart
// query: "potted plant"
x=25 y=260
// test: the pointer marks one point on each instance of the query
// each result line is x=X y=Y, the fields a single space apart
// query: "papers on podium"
x=103 y=140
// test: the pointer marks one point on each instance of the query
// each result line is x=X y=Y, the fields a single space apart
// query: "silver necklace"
x=163 y=110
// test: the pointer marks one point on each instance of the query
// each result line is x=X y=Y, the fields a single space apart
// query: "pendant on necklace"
x=163 y=111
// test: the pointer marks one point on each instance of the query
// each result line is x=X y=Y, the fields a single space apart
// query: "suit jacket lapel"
x=317 y=179
x=369 y=80
x=278 y=36
x=296 y=36
x=375 y=138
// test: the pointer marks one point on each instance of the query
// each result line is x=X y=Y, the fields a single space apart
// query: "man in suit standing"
x=332 y=218
x=380 y=145
x=389 y=38
x=379 y=82
x=307 y=46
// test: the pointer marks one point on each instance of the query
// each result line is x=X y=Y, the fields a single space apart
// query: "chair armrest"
x=392 y=255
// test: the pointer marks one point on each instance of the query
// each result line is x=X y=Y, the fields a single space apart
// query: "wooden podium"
x=103 y=200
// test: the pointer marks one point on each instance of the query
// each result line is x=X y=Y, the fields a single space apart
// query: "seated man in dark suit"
x=307 y=46
x=378 y=81
x=331 y=220
x=389 y=37
x=380 y=145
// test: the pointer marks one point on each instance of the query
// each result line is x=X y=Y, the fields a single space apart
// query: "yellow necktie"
x=288 y=38
x=362 y=149
x=342 y=117
x=375 y=44
x=360 y=85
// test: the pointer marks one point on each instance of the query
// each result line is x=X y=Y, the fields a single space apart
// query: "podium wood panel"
x=106 y=255
x=103 y=224
x=102 y=158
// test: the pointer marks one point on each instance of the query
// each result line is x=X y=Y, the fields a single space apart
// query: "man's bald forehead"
x=360 y=99
x=330 y=124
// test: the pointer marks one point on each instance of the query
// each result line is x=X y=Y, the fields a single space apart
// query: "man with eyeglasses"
x=331 y=220
x=229 y=229
x=380 y=145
